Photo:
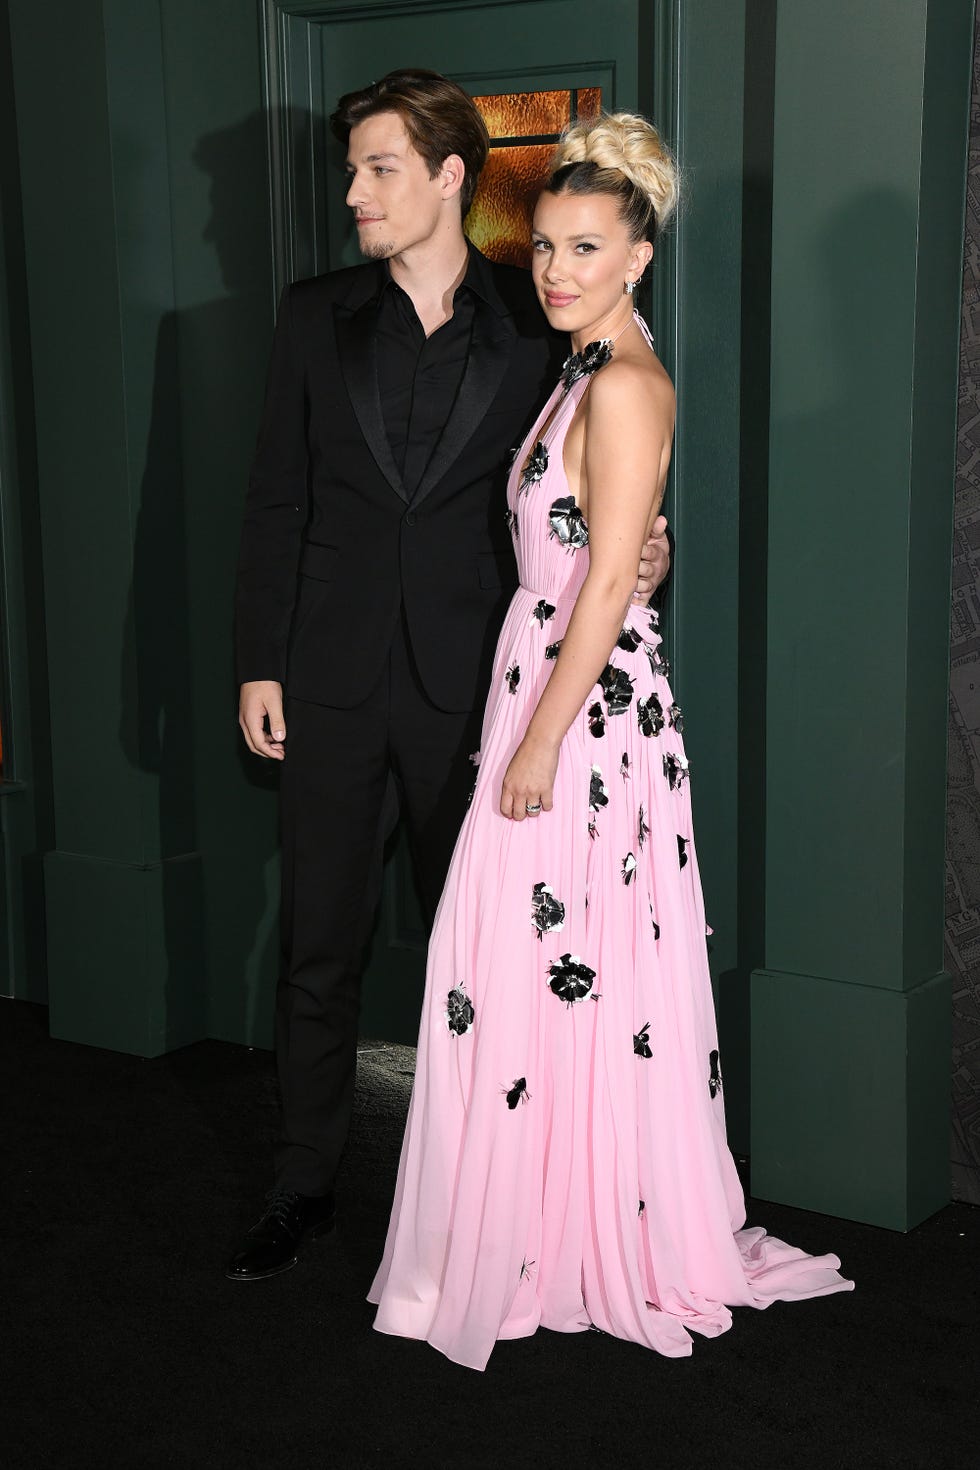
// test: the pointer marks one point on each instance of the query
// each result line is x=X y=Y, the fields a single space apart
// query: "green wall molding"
x=125 y=945
x=850 y=1089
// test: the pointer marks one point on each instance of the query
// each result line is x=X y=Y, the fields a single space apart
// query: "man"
x=376 y=566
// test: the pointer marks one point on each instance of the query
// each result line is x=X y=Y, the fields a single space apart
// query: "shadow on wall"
x=216 y=802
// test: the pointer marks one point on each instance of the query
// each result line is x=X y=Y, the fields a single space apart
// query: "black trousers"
x=333 y=820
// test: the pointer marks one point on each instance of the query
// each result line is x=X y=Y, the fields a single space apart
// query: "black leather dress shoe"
x=270 y=1246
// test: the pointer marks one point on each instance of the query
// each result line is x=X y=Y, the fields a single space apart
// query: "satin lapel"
x=357 y=344
x=490 y=352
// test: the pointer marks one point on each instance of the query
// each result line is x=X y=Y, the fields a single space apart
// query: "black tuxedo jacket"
x=332 y=549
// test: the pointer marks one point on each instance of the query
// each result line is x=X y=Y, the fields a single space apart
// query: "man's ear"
x=452 y=172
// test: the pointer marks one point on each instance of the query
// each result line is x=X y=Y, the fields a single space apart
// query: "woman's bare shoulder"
x=634 y=384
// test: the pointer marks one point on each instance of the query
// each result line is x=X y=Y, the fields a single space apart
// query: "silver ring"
x=532 y=808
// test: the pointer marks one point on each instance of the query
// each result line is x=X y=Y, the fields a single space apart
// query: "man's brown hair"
x=439 y=119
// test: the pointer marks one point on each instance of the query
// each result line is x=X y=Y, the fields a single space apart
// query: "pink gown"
x=565 y=1162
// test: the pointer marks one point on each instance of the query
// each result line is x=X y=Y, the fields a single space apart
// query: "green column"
x=850 y=1015
x=123 y=885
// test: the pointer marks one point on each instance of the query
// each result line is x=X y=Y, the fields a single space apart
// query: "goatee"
x=378 y=249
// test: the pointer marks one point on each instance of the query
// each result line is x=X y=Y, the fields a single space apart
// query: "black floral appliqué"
x=542 y=610
x=641 y=1041
x=714 y=1080
x=553 y=649
x=650 y=715
x=681 y=850
x=654 y=615
x=629 y=640
x=513 y=678
x=512 y=526
x=567 y=523
x=475 y=762
x=534 y=467
x=624 y=766
x=547 y=911
x=570 y=979
x=656 y=926
x=675 y=769
x=516 y=1094
x=592 y=357
x=597 y=720
x=675 y=718
x=642 y=830
x=460 y=1014
x=629 y=868
x=617 y=689
x=598 y=795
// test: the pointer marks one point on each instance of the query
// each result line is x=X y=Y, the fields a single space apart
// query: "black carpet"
x=126 y=1184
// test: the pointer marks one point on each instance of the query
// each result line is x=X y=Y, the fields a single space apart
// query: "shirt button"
x=410 y=518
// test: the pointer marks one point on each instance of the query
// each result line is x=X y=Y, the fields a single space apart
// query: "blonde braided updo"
x=621 y=154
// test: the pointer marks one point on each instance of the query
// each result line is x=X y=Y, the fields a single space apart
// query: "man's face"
x=396 y=204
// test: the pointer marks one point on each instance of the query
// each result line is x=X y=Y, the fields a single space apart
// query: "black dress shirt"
x=419 y=376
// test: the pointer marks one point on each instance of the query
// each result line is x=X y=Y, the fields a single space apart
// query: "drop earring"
x=630 y=287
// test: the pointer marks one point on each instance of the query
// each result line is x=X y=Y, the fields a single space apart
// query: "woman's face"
x=581 y=259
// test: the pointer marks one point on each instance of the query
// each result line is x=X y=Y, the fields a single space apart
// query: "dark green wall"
x=823 y=157
x=26 y=817
x=150 y=293
x=223 y=310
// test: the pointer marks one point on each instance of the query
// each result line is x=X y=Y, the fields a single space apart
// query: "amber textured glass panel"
x=589 y=102
x=499 y=223
x=526 y=114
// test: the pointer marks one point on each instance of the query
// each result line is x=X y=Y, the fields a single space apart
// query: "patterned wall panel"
x=963 y=795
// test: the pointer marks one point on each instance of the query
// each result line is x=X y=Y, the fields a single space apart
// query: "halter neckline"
x=595 y=355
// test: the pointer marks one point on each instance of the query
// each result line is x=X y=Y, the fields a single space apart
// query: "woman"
x=565 y=1160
